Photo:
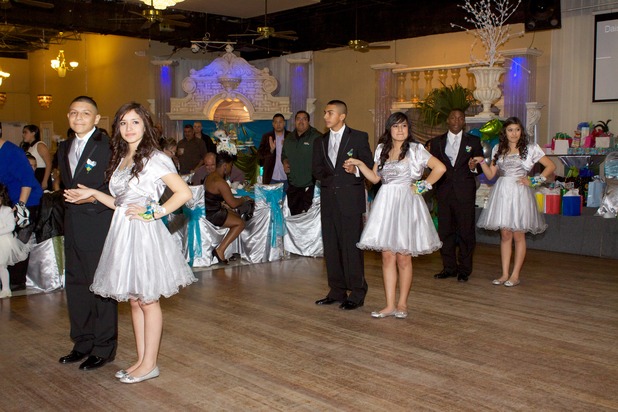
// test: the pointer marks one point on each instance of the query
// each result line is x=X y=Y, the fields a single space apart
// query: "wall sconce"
x=161 y=4
x=2 y=99
x=44 y=100
x=3 y=75
x=60 y=65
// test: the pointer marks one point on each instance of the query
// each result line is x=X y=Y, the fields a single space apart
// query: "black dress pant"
x=94 y=320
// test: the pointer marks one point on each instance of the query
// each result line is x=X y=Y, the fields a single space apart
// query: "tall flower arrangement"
x=488 y=18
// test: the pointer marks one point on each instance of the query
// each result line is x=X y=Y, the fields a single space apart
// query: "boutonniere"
x=468 y=149
x=351 y=153
x=90 y=164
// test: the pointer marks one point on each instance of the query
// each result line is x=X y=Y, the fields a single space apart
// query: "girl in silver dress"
x=140 y=261
x=399 y=224
x=511 y=207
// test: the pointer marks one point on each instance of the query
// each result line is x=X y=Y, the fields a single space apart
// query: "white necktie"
x=333 y=148
x=453 y=149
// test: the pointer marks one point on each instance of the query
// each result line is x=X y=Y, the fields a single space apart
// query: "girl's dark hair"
x=387 y=140
x=168 y=143
x=225 y=157
x=32 y=128
x=503 y=142
x=4 y=196
x=120 y=148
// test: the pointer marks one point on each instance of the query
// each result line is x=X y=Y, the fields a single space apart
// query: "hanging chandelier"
x=60 y=65
x=161 y=4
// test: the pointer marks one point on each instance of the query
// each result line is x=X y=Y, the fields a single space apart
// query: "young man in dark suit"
x=342 y=206
x=456 y=194
x=84 y=160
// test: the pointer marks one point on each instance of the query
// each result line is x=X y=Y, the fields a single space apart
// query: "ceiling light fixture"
x=59 y=64
x=203 y=45
x=3 y=75
x=45 y=100
x=161 y=4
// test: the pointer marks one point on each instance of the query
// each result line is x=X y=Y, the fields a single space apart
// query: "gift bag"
x=540 y=201
x=552 y=204
x=572 y=203
x=596 y=189
x=561 y=146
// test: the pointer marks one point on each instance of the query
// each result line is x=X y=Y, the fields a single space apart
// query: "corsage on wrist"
x=422 y=186
x=537 y=181
x=152 y=207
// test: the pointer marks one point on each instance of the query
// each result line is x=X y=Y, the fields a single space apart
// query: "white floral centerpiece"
x=488 y=18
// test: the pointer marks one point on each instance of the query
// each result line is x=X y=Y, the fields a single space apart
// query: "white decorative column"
x=519 y=81
x=163 y=94
x=299 y=84
x=533 y=115
x=385 y=95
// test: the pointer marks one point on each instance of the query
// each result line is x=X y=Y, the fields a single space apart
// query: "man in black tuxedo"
x=84 y=160
x=456 y=194
x=343 y=204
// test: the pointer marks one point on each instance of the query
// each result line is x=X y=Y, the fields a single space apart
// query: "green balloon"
x=491 y=129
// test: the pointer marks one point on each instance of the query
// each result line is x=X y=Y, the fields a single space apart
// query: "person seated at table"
x=202 y=172
x=216 y=191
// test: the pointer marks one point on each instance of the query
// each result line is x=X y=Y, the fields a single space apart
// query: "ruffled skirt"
x=12 y=250
x=512 y=206
x=140 y=260
x=399 y=222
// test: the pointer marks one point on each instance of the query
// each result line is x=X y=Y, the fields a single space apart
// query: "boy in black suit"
x=456 y=194
x=84 y=160
x=342 y=206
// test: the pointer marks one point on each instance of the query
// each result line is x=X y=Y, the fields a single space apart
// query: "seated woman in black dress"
x=216 y=191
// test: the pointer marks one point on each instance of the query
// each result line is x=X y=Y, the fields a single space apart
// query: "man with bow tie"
x=342 y=206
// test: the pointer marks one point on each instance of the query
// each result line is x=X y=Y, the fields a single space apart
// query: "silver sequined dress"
x=512 y=205
x=399 y=220
x=140 y=260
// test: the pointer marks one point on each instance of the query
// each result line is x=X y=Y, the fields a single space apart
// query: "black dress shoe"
x=17 y=286
x=462 y=277
x=93 y=362
x=326 y=301
x=349 y=305
x=444 y=274
x=73 y=357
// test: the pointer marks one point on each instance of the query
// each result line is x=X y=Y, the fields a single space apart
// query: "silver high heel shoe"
x=150 y=375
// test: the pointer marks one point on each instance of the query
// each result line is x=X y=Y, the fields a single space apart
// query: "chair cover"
x=46 y=264
x=304 y=231
x=261 y=241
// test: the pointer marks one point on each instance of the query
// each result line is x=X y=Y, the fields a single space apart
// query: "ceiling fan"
x=6 y=4
x=265 y=32
x=152 y=16
x=361 y=45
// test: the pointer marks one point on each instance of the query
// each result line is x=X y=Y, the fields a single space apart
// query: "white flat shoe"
x=510 y=284
x=121 y=374
x=401 y=314
x=497 y=282
x=379 y=315
x=150 y=375
x=5 y=294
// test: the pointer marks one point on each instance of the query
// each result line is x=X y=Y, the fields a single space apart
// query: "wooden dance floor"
x=251 y=338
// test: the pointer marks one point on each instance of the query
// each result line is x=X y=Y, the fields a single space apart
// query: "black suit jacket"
x=340 y=189
x=86 y=225
x=266 y=158
x=458 y=180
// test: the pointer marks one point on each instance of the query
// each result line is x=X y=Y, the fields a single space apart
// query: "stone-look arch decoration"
x=229 y=78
